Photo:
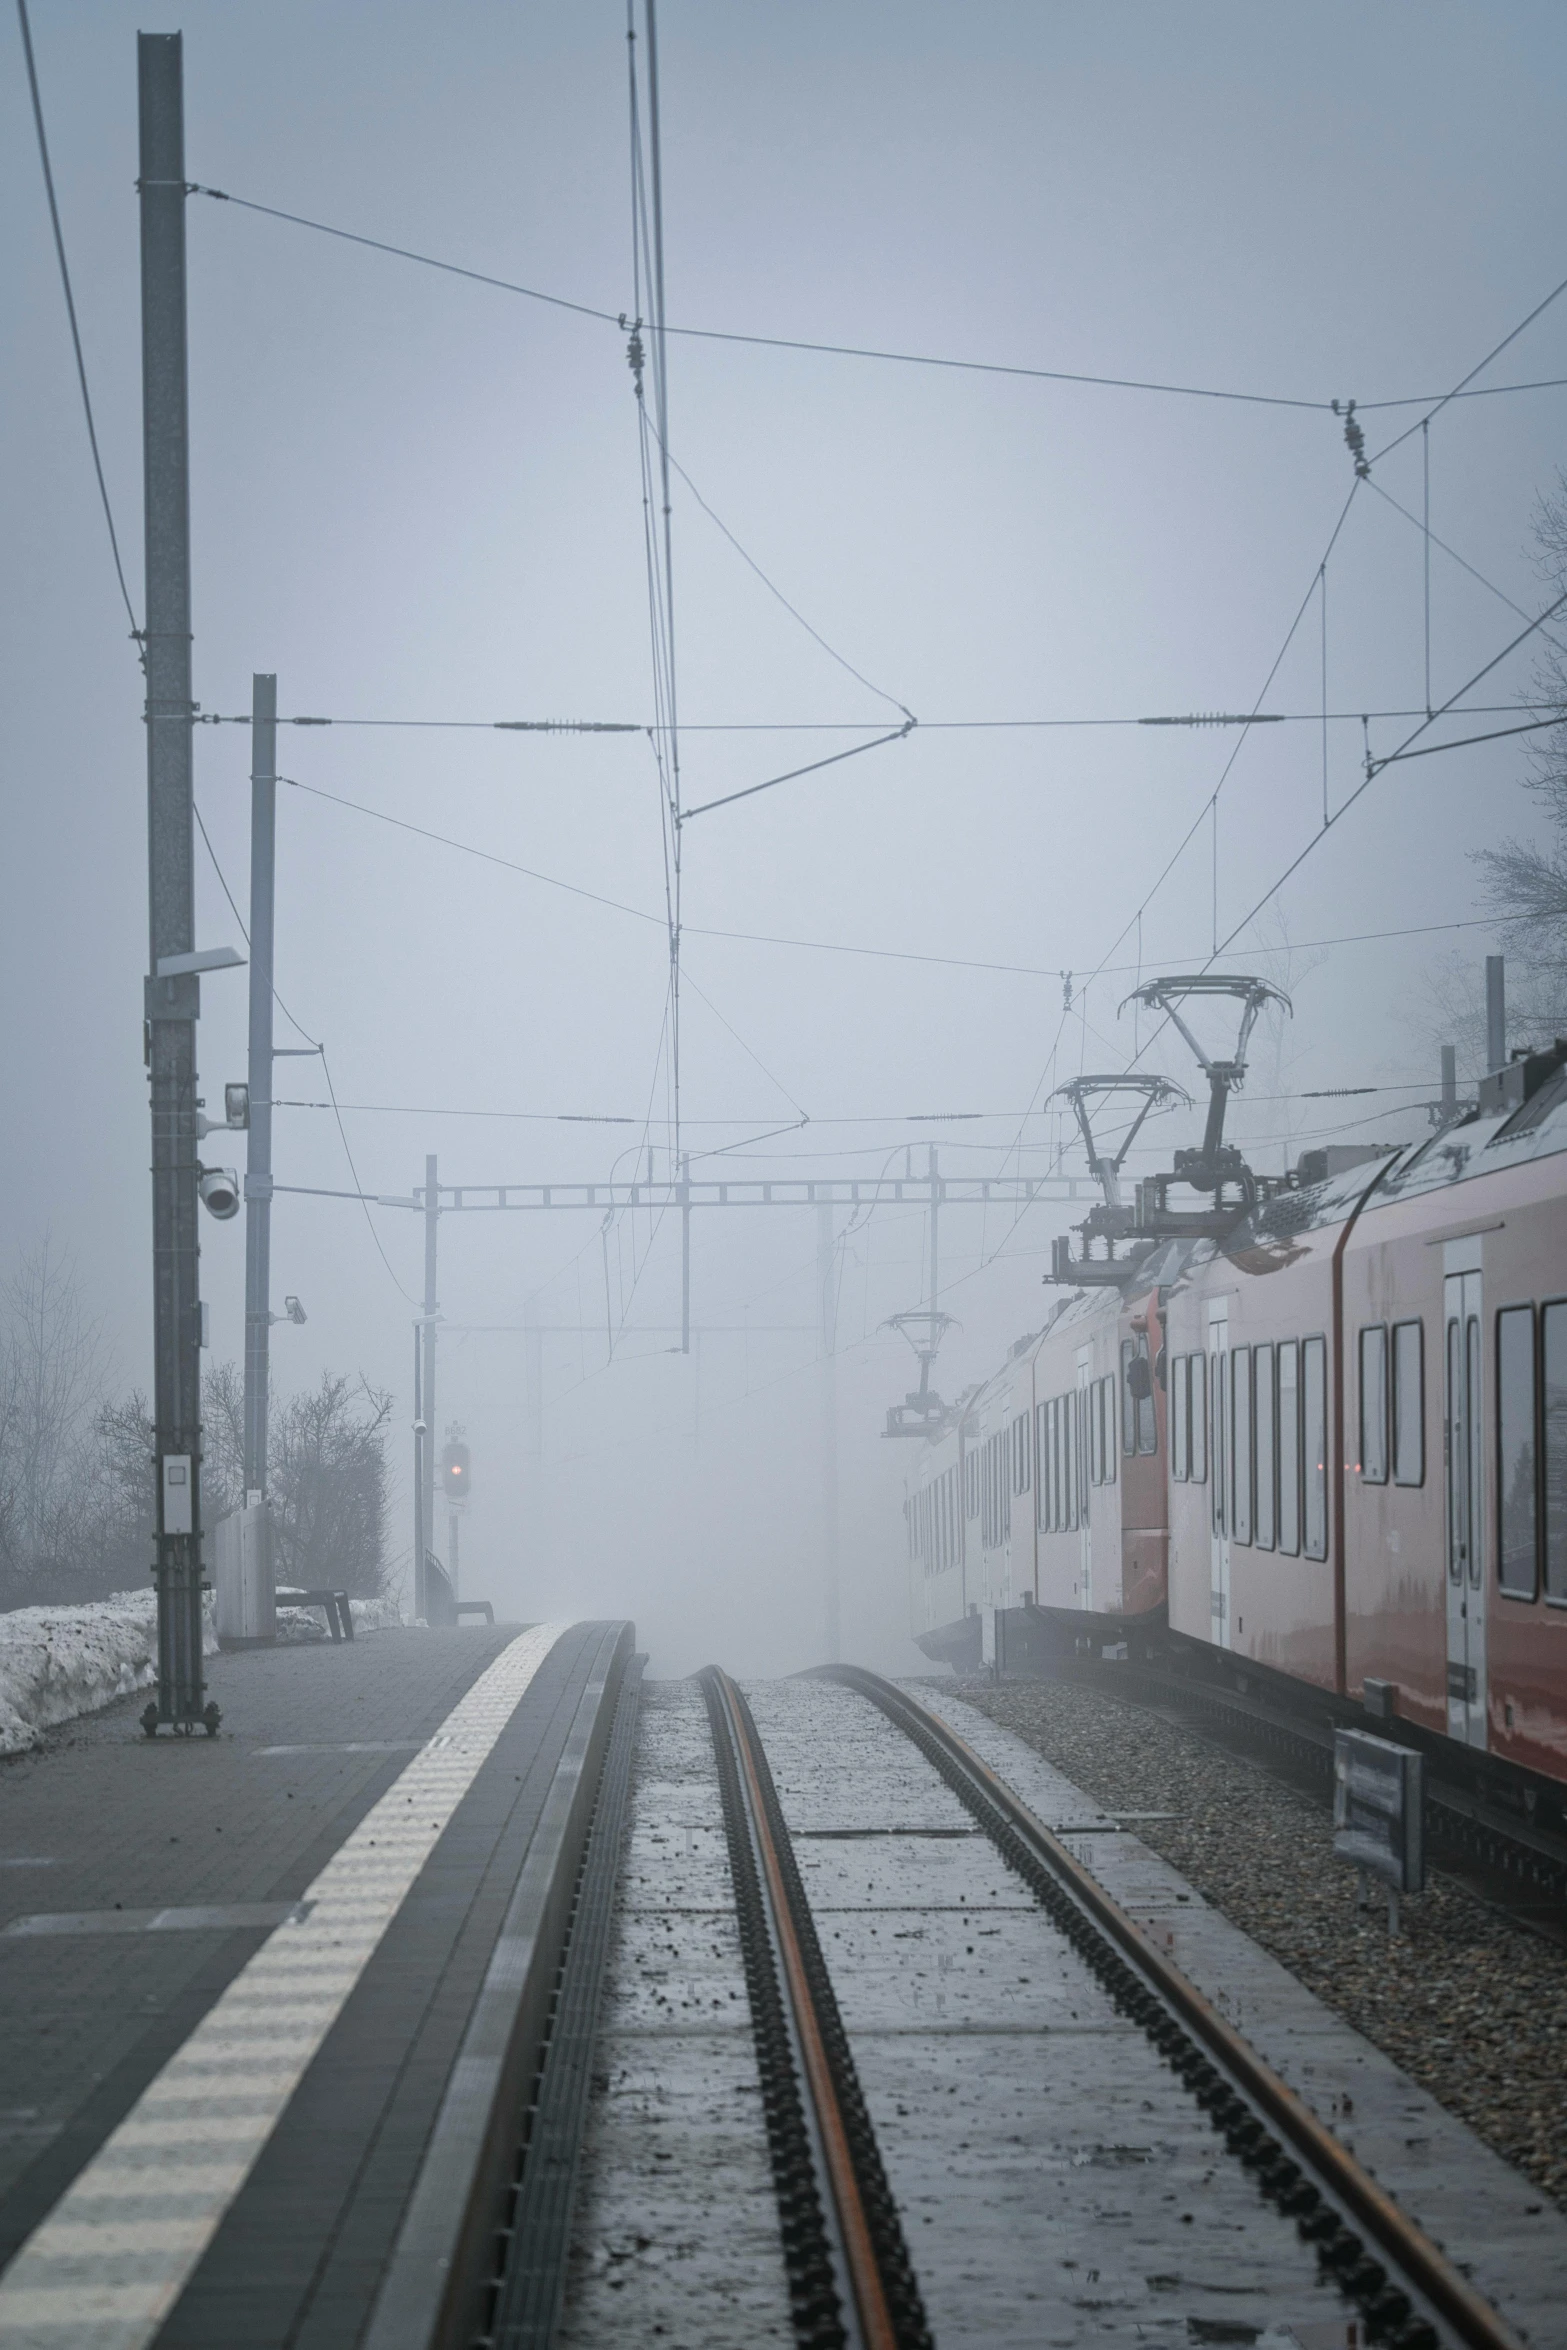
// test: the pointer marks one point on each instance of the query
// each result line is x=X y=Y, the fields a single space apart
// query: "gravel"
x=1473 y=2006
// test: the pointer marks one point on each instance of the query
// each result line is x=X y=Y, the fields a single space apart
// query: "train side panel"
x=1262 y=1586
x=1492 y=1250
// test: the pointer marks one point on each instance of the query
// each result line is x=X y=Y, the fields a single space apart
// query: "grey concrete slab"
x=676 y=2226
x=1492 y=2222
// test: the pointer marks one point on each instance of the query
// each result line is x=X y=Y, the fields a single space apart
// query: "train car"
x=1045 y=1491
x=1368 y=1431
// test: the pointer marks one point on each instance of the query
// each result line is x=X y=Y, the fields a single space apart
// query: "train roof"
x=1484 y=1142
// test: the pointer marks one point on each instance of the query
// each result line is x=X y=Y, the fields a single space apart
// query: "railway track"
x=850 y=2279
x=1410 y=2295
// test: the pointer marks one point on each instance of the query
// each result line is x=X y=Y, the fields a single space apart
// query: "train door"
x=1080 y=1476
x=1219 y=1471
x=1463 y=1458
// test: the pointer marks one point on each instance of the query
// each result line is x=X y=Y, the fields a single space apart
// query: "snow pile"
x=304 y=1624
x=57 y=1662
x=382 y=1614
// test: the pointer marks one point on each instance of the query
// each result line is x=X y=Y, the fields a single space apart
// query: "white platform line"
x=106 y=2266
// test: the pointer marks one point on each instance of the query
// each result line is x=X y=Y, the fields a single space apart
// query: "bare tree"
x=50 y=1379
x=328 y=1482
x=1525 y=884
x=222 y=1441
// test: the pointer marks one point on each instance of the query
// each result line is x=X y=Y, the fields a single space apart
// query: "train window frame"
x=1314 y=1480
x=1243 y=1434
x=1112 y=1428
x=1400 y=1330
x=1025 y=1451
x=1265 y=1446
x=1553 y=1556
x=1375 y=1400
x=1218 y=1439
x=1147 y=1408
x=1180 y=1419
x=1507 y=1318
x=1288 y=1490
x=1197 y=1418
x=1096 y=1435
x=1128 y=1401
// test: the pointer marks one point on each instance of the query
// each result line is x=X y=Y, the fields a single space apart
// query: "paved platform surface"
x=138 y=1877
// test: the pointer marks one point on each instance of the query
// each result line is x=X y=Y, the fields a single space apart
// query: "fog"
x=418 y=497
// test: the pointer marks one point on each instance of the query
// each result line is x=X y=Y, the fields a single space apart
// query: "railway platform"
x=241 y=1977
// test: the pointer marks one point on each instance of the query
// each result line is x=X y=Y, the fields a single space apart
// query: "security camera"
x=219 y=1187
x=294 y=1310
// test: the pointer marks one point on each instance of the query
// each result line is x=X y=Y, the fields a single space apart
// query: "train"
x=1309 y=1435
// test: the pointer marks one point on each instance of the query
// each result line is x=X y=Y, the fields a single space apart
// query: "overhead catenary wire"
x=1376 y=767
x=1464 y=381
x=707 y=334
x=826 y=946
x=1195 y=719
x=70 y=311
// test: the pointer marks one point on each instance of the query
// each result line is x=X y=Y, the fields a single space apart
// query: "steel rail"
x=1412 y=2293
x=852 y=2286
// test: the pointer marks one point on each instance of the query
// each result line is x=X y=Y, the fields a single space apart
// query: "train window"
x=1314 y=1444
x=1409 y=1403
x=1107 y=1388
x=1517 y=1452
x=1197 y=1417
x=1218 y=1399
x=1147 y=1414
x=1041 y=1468
x=1289 y=1447
x=1128 y=1401
x=1373 y=1405
x=1096 y=1434
x=1024 y=1465
x=1180 y=1408
x=1267 y=1446
x=1240 y=1443
x=1553 y=1348
x=1053 y=1420
x=1069 y=1458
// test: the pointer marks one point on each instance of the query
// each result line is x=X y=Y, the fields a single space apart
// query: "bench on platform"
x=339 y=1615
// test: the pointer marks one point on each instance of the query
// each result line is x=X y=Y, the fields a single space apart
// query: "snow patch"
x=58 y=1662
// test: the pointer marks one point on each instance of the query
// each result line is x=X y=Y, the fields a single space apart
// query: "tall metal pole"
x=432 y=1219
x=935 y=1260
x=684 y=1192
x=1495 y=1013
x=418 y=1474
x=827 y=1299
x=258 y=1160
x=173 y=1004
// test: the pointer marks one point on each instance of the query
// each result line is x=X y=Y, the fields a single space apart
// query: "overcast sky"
x=416 y=497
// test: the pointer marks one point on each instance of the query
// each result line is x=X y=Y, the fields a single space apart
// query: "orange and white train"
x=1331 y=1443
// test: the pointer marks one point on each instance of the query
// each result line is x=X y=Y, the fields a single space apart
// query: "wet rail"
x=1411 y=2295
x=850 y=2278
